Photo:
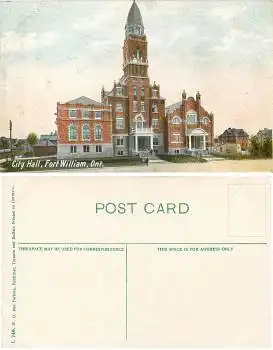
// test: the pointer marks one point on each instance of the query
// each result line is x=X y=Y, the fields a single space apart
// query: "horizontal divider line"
x=143 y=243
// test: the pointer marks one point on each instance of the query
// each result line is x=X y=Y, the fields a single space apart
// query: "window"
x=155 y=141
x=205 y=120
x=139 y=123
x=135 y=91
x=98 y=115
x=120 y=141
x=154 y=93
x=134 y=106
x=98 y=148
x=176 y=151
x=85 y=114
x=120 y=153
x=73 y=149
x=176 y=120
x=155 y=123
x=72 y=113
x=72 y=132
x=85 y=132
x=192 y=118
x=86 y=148
x=176 y=138
x=142 y=92
x=98 y=132
x=119 y=107
x=119 y=123
x=142 y=107
x=119 y=91
x=154 y=108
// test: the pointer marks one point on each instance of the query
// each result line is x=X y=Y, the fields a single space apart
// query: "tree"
x=32 y=139
x=4 y=143
x=255 y=147
x=266 y=148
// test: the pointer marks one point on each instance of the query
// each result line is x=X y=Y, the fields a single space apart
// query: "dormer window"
x=119 y=91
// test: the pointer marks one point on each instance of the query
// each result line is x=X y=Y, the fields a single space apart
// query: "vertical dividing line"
x=126 y=280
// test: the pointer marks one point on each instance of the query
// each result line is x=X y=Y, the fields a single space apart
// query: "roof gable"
x=83 y=100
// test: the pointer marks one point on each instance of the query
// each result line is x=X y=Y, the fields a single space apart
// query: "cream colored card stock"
x=136 y=261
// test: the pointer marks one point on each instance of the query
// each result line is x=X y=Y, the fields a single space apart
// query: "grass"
x=181 y=158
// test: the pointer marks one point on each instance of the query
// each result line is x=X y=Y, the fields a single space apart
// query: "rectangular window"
x=72 y=113
x=134 y=106
x=154 y=93
x=155 y=141
x=142 y=92
x=85 y=114
x=142 y=107
x=119 y=107
x=98 y=148
x=155 y=123
x=176 y=151
x=120 y=141
x=119 y=123
x=176 y=138
x=86 y=148
x=154 y=108
x=73 y=149
x=98 y=115
x=120 y=153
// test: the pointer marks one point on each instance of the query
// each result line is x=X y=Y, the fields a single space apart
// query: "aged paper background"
x=157 y=289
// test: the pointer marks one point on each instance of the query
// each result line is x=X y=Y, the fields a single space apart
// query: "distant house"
x=46 y=145
x=48 y=140
x=264 y=134
x=233 y=141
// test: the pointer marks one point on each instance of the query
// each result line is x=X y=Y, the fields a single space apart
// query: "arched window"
x=72 y=132
x=85 y=132
x=176 y=120
x=192 y=118
x=205 y=120
x=98 y=132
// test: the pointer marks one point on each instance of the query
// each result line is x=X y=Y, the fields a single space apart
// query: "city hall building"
x=131 y=117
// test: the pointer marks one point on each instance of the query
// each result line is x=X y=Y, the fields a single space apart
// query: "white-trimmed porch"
x=197 y=139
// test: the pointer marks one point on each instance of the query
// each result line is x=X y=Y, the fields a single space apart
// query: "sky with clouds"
x=57 y=50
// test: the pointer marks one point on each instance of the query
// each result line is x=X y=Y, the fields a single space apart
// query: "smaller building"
x=189 y=127
x=48 y=140
x=84 y=129
x=233 y=141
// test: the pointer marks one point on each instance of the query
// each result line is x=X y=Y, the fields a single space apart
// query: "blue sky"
x=57 y=50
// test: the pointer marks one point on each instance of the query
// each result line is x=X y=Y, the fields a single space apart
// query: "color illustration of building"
x=131 y=116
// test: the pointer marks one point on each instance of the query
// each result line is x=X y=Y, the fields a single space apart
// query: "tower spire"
x=134 y=24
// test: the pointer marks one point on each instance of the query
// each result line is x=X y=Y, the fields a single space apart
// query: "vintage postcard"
x=136 y=85
x=136 y=261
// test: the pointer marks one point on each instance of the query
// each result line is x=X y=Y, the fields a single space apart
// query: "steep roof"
x=234 y=132
x=134 y=15
x=84 y=101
